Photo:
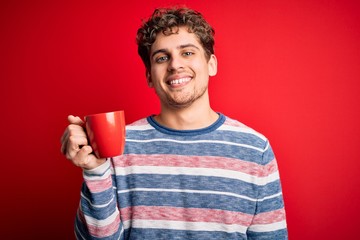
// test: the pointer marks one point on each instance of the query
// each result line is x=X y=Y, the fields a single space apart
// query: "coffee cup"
x=106 y=133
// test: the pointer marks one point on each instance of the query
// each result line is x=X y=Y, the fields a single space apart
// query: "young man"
x=188 y=172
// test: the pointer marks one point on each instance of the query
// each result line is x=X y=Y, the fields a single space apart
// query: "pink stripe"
x=196 y=162
x=271 y=167
x=100 y=231
x=185 y=214
x=139 y=122
x=234 y=123
x=81 y=216
x=270 y=217
x=99 y=185
x=105 y=230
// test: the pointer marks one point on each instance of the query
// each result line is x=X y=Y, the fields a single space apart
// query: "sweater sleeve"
x=269 y=221
x=98 y=214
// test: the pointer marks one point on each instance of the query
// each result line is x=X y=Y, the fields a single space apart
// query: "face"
x=179 y=69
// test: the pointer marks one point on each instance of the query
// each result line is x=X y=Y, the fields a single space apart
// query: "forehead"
x=174 y=40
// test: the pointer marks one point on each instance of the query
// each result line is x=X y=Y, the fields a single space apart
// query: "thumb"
x=75 y=120
x=91 y=161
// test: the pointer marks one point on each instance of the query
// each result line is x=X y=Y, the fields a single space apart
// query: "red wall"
x=289 y=69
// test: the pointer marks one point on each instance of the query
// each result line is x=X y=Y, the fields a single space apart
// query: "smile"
x=179 y=81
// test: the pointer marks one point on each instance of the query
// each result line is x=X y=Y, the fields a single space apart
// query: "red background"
x=289 y=69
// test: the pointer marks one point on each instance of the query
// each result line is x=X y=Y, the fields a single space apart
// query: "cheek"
x=158 y=71
x=201 y=69
x=200 y=64
x=157 y=76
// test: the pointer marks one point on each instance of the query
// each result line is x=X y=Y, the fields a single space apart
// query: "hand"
x=75 y=145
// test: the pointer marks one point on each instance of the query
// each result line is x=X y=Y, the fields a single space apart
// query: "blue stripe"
x=160 y=234
x=82 y=231
x=188 y=200
x=198 y=200
x=195 y=149
x=270 y=205
x=218 y=135
x=189 y=182
x=98 y=213
x=98 y=198
x=273 y=235
x=269 y=189
x=187 y=133
x=268 y=156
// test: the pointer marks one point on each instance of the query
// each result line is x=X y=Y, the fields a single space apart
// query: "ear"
x=212 y=65
x=148 y=79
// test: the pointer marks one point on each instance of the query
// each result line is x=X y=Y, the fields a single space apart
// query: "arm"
x=98 y=215
x=269 y=221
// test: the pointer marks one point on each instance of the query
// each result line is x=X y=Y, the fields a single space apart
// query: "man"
x=188 y=172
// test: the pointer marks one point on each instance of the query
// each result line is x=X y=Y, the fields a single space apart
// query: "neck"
x=197 y=115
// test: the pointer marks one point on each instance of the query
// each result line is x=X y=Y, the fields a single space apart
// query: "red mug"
x=106 y=133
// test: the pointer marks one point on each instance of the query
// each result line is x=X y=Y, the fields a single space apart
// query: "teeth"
x=179 y=81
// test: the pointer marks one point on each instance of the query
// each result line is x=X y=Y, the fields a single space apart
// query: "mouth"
x=178 y=82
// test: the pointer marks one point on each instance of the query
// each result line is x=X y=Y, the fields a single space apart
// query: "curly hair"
x=168 y=21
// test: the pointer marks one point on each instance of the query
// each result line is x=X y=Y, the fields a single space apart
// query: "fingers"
x=86 y=160
x=73 y=136
x=82 y=157
x=72 y=120
x=74 y=145
x=63 y=141
x=75 y=120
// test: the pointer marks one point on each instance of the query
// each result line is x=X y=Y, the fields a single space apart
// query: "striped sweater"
x=219 y=182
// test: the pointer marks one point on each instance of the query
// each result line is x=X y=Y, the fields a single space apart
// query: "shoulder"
x=141 y=124
x=237 y=127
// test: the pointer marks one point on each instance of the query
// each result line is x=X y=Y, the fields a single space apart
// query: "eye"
x=188 y=53
x=162 y=59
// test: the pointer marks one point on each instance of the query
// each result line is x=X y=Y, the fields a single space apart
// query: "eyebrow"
x=163 y=50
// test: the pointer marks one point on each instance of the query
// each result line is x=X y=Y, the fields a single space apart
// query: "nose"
x=175 y=63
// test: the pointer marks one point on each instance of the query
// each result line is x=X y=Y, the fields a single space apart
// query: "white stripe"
x=193 y=142
x=103 y=222
x=268 y=227
x=267 y=146
x=261 y=181
x=140 y=127
x=121 y=232
x=187 y=226
x=94 y=178
x=243 y=130
x=209 y=172
x=97 y=205
x=198 y=191
x=78 y=231
x=99 y=173
x=269 y=197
